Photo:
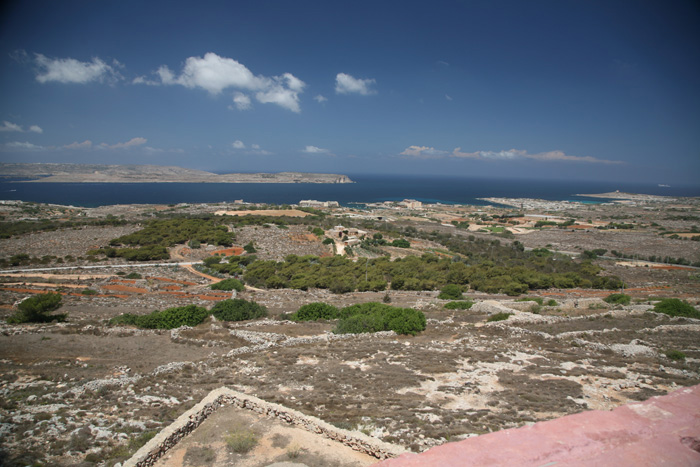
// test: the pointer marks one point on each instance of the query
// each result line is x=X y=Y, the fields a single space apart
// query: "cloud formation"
x=138 y=141
x=70 y=70
x=27 y=146
x=425 y=152
x=215 y=74
x=513 y=154
x=87 y=144
x=320 y=99
x=241 y=148
x=315 y=150
x=346 y=84
x=9 y=126
x=241 y=101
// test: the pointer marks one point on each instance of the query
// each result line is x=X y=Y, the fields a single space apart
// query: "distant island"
x=96 y=173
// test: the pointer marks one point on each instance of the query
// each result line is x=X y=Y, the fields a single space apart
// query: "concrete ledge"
x=663 y=430
x=190 y=420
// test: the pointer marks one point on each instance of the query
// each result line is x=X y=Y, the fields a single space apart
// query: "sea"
x=366 y=189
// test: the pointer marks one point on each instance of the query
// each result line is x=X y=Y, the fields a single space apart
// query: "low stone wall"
x=190 y=420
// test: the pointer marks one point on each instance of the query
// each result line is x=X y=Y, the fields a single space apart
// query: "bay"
x=367 y=189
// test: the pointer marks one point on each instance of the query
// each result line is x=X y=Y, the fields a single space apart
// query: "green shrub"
x=376 y=317
x=551 y=302
x=249 y=248
x=36 y=309
x=238 y=310
x=315 y=311
x=133 y=275
x=170 y=318
x=88 y=292
x=499 y=317
x=459 y=305
x=618 y=299
x=451 y=292
x=676 y=307
x=228 y=284
x=401 y=243
x=675 y=355
x=241 y=441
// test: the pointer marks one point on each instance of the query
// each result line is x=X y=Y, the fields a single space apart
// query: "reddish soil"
x=235 y=251
x=165 y=279
x=124 y=288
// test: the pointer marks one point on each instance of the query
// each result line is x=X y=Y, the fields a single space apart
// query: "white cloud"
x=70 y=70
x=278 y=94
x=238 y=144
x=138 y=141
x=241 y=101
x=24 y=145
x=255 y=146
x=513 y=154
x=320 y=99
x=215 y=74
x=87 y=144
x=9 y=126
x=315 y=150
x=346 y=84
x=449 y=98
x=423 y=152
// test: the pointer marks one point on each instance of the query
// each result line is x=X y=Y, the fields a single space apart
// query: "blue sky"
x=565 y=89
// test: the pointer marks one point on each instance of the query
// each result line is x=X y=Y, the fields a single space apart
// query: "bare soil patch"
x=274 y=441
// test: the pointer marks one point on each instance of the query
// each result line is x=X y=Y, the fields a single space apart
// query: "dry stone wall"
x=190 y=420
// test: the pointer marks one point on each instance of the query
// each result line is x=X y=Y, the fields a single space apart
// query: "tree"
x=676 y=307
x=451 y=292
x=238 y=310
x=36 y=309
x=315 y=311
x=249 y=248
x=228 y=284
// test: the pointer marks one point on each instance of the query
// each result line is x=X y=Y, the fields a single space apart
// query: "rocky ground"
x=86 y=393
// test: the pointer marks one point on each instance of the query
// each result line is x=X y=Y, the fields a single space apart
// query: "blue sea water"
x=367 y=189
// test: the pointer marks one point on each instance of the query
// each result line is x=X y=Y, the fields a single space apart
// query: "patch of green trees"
x=37 y=309
x=228 y=285
x=427 y=272
x=170 y=318
x=364 y=317
x=191 y=315
x=676 y=307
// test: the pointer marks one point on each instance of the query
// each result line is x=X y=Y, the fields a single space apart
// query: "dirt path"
x=191 y=269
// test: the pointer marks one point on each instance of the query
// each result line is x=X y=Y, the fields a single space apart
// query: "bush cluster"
x=676 y=307
x=36 y=309
x=376 y=317
x=459 y=305
x=314 y=312
x=170 y=318
x=451 y=292
x=499 y=317
x=618 y=299
x=238 y=309
x=428 y=272
x=228 y=284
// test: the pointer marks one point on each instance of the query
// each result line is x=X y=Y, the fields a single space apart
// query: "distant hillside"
x=94 y=173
